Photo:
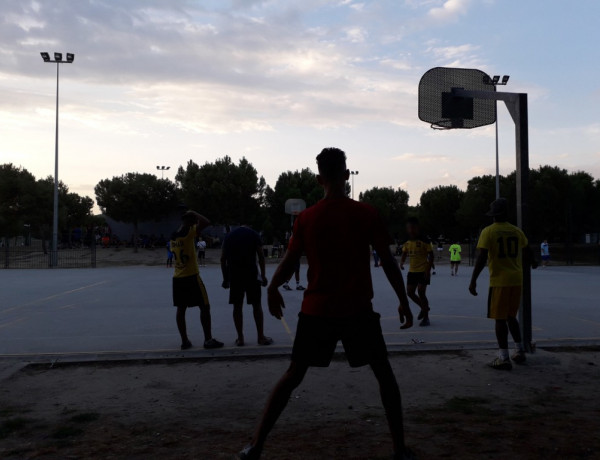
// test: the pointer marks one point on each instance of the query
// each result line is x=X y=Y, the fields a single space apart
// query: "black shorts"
x=249 y=288
x=455 y=262
x=189 y=291
x=317 y=337
x=417 y=279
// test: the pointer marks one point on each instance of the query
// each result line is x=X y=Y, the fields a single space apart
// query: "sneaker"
x=286 y=287
x=300 y=288
x=186 y=345
x=213 y=343
x=501 y=364
x=425 y=322
x=250 y=453
x=519 y=357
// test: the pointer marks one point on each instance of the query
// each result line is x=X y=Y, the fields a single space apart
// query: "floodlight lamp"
x=45 y=56
x=505 y=79
x=70 y=57
x=58 y=57
x=496 y=79
x=168 y=167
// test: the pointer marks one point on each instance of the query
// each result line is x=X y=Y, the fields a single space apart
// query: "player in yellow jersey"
x=188 y=288
x=504 y=248
x=420 y=253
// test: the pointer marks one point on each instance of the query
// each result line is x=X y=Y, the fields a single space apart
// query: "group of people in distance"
x=337 y=235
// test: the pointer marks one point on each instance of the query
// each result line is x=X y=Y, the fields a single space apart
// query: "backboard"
x=294 y=206
x=439 y=107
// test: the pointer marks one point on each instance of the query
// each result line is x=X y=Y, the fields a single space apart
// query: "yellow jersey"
x=504 y=243
x=419 y=253
x=184 y=250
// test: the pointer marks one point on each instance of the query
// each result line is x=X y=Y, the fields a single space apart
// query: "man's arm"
x=394 y=276
x=224 y=269
x=261 y=264
x=284 y=271
x=480 y=264
x=201 y=223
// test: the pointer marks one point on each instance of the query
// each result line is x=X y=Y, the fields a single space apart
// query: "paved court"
x=129 y=309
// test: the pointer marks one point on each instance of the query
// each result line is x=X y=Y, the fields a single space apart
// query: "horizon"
x=158 y=83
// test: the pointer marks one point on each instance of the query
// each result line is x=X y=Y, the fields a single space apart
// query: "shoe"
x=519 y=357
x=300 y=288
x=286 y=287
x=186 y=345
x=425 y=322
x=213 y=343
x=250 y=453
x=266 y=341
x=501 y=364
x=451 y=274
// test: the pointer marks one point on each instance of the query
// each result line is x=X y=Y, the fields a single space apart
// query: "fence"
x=34 y=256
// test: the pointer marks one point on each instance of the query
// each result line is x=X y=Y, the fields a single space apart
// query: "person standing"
x=201 y=252
x=188 y=288
x=455 y=258
x=296 y=274
x=504 y=248
x=545 y=250
x=420 y=253
x=169 y=255
x=240 y=275
x=336 y=235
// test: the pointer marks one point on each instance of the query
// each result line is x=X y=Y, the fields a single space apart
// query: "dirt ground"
x=455 y=408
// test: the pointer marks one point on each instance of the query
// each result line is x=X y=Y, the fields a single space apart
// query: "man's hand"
x=473 y=288
x=401 y=266
x=264 y=281
x=225 y=284
x=406 y=316
x=275 y=302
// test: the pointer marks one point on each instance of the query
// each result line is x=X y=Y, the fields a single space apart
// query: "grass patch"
x=85 y=417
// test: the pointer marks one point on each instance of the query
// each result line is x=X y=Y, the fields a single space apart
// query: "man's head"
x=499 y=210
x=545 y=241
x=412 y=228
x=189 y=218
x=332 y=166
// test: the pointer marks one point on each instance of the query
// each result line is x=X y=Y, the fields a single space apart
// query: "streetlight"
x=353 y=173
x=58 y=59
x=163 y=169
x=497 y=82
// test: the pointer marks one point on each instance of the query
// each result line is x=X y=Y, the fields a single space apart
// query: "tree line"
x=561 y=204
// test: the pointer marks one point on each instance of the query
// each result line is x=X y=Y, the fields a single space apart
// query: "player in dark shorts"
x=188 y=288
x=336 y=235
x=241 y=248
x=420 y=253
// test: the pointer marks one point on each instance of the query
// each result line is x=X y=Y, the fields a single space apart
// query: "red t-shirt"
x=336 y=236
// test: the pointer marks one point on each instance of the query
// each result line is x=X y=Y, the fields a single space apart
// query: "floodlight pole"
x=353 y=173
x=517 y=106
x=57 y=60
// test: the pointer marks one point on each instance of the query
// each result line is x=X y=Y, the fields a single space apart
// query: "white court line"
x=287 y=328
x=44 y=299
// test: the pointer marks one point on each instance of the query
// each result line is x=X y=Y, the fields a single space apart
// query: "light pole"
x=496 y=82
x=353 y=173
x=58 y=59
x=162 y=169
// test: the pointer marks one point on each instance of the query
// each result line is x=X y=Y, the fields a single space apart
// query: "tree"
x=291 y=184
x=135 y=198
x=438 y=207
x=391 y=204
x=223 y=191
x=17 y=203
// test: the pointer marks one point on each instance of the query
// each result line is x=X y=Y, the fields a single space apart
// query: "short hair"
x=332 y=163
x=412 y=221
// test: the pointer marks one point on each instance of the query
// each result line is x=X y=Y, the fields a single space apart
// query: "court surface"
x=128 y=310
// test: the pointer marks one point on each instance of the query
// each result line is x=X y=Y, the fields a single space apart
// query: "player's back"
x=239 y=248
x=504 y=243
x=183 y=248
x=336 y=235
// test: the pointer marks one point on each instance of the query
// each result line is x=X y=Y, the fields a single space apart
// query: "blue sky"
x=159 y=83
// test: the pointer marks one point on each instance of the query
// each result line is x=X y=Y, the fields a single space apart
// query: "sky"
x=162 y=82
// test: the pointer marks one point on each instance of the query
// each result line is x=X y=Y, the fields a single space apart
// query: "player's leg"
x=253 y=295
x=182 y=328
x=497 y=310
x=411 y=292
x=238 y=321
x=278 y=399
x=456 y=265
x=424 y=315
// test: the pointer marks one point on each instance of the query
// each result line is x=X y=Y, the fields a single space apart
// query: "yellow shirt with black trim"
x=184 y=250
x=419 y=253
x=455 y=251
x=504 y=243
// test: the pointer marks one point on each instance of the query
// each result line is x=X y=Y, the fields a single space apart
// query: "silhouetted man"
x=240 y=275
x=336 y=235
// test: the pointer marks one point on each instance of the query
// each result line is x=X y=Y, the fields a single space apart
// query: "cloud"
x=465 y=55
x=449 y=10
x=421 y=158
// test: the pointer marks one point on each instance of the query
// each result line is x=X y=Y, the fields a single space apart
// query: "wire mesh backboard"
x=294 y=206
x=438 y=106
